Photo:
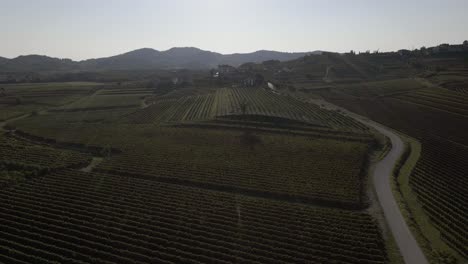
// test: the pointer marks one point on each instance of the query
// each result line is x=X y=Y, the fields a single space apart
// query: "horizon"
x=187 y=47
x=86 y=29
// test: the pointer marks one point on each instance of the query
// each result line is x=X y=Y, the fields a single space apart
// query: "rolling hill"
x=146 y=58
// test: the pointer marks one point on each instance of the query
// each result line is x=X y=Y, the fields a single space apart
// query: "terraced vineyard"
x=72 y=217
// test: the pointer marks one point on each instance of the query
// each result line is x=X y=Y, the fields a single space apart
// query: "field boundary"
x=95 y=150
x=325 y=135
x=283 y=197
x=92 y=109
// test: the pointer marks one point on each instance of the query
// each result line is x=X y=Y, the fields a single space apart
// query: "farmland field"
x=16 y=151
x=23 y=99
x=438 y=118
x=212 y=171
x=321 y=132
x=227 y=103
x=78 y=217
x=217 y=158
x=281 y=181
x=105 y=102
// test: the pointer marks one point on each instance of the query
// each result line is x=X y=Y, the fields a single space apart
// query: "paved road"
x=382 y=174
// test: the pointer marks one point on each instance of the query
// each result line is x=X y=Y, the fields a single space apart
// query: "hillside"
x=146 y=58
x=33 y=63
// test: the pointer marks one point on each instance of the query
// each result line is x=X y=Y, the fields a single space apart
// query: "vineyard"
x=20 y=160
x=100 y=102
x=13 y=151
x=320 y=170
x=310 y=167
x=228 y=103
x=438 y=118
x=385 y=88
x=438 y=99
x=72 y=217
x=226 y=175
x=244 y=165
x=19 y=99
x=439 y=180
x=327 y=70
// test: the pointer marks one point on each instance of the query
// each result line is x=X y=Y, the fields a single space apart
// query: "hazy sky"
x=82 y=29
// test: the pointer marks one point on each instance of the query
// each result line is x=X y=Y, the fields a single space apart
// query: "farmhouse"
x=248 y=82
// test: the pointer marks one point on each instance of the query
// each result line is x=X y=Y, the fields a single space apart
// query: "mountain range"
x=146 y=58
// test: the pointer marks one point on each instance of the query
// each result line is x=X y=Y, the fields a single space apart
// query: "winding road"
x=382 y=174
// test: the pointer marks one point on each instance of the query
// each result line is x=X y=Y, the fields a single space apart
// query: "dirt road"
x=382 y=173
x=5 y=122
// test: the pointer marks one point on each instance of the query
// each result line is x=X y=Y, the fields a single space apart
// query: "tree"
x=106 y=151
x=259 y=79
x=423 y=50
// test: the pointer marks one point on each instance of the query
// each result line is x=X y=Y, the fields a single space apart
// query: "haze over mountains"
x=146 y=58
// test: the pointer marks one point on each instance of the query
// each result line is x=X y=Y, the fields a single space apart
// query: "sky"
x=83 y=29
